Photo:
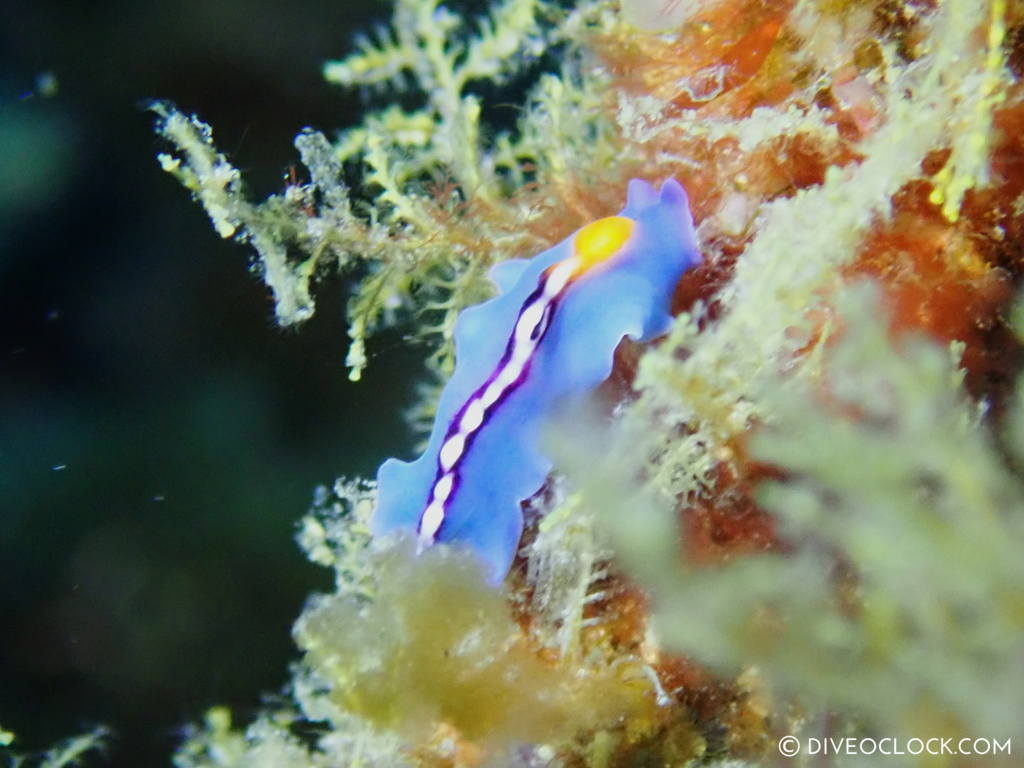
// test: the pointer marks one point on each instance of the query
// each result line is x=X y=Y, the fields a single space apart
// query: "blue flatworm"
x=548 y=336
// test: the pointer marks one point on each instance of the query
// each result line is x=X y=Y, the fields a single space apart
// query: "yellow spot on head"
x=600 y=240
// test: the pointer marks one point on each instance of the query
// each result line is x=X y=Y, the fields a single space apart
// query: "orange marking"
x=600 y=240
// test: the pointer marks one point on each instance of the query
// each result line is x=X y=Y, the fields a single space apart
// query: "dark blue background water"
x=159 y=436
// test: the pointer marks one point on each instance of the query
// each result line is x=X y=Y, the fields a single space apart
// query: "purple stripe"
x=544 y=324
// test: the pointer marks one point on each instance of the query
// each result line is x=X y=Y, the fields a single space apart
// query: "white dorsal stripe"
x=473 y=417
x=430 y=522
x=559 y=278
x=492 y=394
x=523 y=347
x=521 y=356
x=444 y=488
x=528 y=321
x=511 y=371
x=452 y=450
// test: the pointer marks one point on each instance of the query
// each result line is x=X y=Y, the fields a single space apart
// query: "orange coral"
x=727 y=522
x=720 y=49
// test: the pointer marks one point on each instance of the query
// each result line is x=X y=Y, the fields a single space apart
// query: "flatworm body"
x=548 y=336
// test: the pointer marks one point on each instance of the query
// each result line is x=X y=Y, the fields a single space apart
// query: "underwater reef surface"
x=807 y=512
